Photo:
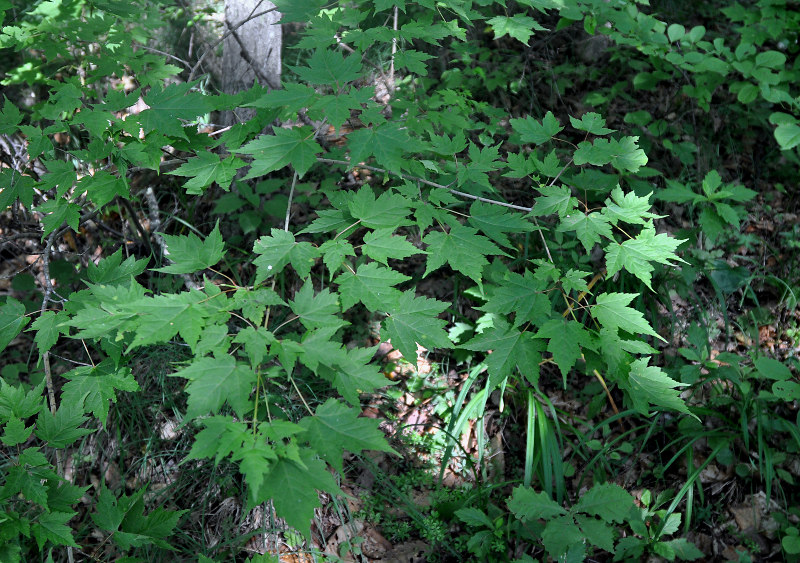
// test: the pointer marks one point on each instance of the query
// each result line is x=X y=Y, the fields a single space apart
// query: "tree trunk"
x=251 y=52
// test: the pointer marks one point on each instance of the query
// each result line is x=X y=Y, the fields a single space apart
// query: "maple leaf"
x=161 y=317
x=337 y=109
x=592 y=123
x=279 y=249
x=61 y=429
x=189 y=254
x=52 y=526
x=623 y=154
x=555 y=199
x=169 y=106
x=334 y=253
x=629 y=208
x=381 y=244
x=612 y=311
x=387 y=143
x=414 y=320
x=463 y=248
x=521 y=295
x=537 y=132
x=316 y=310
x=372 y=285
x=636 y=254
x=518 y=26
x=214 y=381
x=93 y=387
x=649 y=385
x=12 y=320
x=388 y=210
x=329 y=67
x=291 y=487
x=566 y=339
x=206 y=168
x=496 y=221
x=295 y=146
x=480 y=162
x=588 y=227
x=509 y=348
x=336 y=427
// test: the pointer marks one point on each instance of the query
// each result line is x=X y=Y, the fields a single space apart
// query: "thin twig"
x=429 y=183
x=48 y=373
x=155 y=224
x=394 y=50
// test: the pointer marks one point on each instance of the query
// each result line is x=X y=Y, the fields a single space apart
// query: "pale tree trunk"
x=252 y=52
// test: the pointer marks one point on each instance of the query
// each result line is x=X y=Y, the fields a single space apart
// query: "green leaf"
x=414 y=320
x=687 y=551
x=387 y=143
x=102 y=187
x=649 y=385
x=629 y=208
x=294 y=11
x=554 y=199
x=462 y=248
x=528 y=505
x=372 y=285
x=335 y=428
x=206 y=168
x=566 y=338
x=16 y=402
x=169 y=106
x=161 y=317
x=15 y=432
x=381 y=244
x=521 y=295
x=58 y=212
x=112 y=269
x=214 y=381
x=607 y=501
x=338 y=109
x=389 y=210
x=291 y=486
x=518 y=26
x=772 y=369
x=353 y=374
x=480 y=162
x=474 y=518
x=561 y=535
x=636 y=254
x=189 y=254
x=623 y=154
x=61 y=430
x=592 y=123
x=316 y=310
x=256 y=341
x=495 y=222
x=787 y=135
x=12 y=321
x=92 y=387
x=329 y=67
x=125 y=519
x=612 y=312
x=278 y=250
x=295 y=146
x=597 y=532
x=413 y=60
x=510 y=348
x=10 y=118
x=52 y=527
x=537 y=132
x=588 y=227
